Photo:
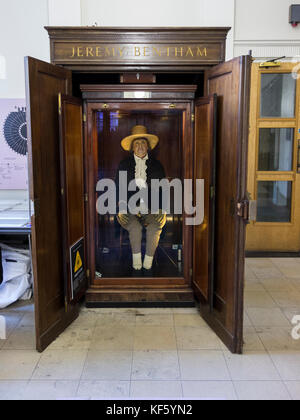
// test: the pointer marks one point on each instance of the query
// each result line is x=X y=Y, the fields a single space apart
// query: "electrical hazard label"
x=77 y=266
x=78 y=262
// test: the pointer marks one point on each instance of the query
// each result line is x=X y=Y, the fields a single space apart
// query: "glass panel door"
x=273 y=158
x=117 y=235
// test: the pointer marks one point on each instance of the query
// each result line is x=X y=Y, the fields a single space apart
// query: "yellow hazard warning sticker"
x=77 y=267
x=78 y=262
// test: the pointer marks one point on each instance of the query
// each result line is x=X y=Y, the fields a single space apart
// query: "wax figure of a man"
x=142 y=168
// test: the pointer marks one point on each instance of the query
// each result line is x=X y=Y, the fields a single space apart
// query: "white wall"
x=263 y=26
x=64 y=12
x=160 y=13
x=21 y=34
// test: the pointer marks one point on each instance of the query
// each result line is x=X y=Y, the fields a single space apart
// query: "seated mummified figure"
x=141 y=168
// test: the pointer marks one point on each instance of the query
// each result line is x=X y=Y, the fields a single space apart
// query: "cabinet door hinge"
x=88 y=273
x=84 y=117
x=59 y=103
x=66 y=304
x=86 y=198
x=193 y=117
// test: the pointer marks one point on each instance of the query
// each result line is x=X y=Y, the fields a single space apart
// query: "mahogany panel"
x=204 y=169
x=230 y=81
x=43 y=84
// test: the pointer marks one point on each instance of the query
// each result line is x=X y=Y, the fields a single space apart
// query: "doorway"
x=109 y=252
x=273 y=174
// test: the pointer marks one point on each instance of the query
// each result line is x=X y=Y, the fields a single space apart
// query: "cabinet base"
x=136 y=298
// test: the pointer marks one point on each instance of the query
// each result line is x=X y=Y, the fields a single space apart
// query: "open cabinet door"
x=204 y=168
x=43 y=84
x=230 y=81
x=72 y=191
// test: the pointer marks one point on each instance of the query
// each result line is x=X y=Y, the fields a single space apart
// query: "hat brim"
x=127 y=141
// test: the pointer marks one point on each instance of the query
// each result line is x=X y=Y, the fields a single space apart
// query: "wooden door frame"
x=142 y=282
x=256 y=122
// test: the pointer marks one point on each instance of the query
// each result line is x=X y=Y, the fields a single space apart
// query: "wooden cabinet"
x=74 y=141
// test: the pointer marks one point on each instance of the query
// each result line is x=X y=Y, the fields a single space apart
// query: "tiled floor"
x=162 y=353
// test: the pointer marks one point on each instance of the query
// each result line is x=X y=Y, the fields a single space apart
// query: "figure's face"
x=140 y=147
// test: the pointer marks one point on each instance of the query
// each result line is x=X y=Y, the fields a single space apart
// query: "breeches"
x=134 y=224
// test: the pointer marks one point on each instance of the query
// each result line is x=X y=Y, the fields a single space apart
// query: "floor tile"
x=117 y=319
x=278 y=284
x=11 y=320
x=155 y=365
x=193 y=310
x=77 y=338
x=154 y=311
x=261 y=390
x=296 y=284
x=251 y=340
x=287 y=364
x=148 y=390
x=294 y=389
x=278 y=338
x=251 y=366
x=107 y=365
x=286 y=299
x=203 y=365
x=254 y=286
x=255 y=299
x=249 y=273
x=113 y=337
x=60 y=365
x=288 y=266
x=196 y=338
x=209 y=390
x=18 y=364
x=22 y=338
x=12 y=390
x=85 y=319
x=104 y=390
x=50 y=390
x=155 y=319
x=270 y=317
x=189 y=320
x=247 y=321
x=154 y=338
x=264 y=268
x=27 y=320
x=290 y=313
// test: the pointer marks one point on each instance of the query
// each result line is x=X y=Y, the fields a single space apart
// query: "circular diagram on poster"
x=15 y=131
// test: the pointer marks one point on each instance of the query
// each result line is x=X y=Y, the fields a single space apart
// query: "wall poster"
x=13 y=145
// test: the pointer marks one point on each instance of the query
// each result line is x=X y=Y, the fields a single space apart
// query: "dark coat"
x=154 y=170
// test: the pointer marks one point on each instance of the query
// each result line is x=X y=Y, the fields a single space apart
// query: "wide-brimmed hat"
x=139 y=131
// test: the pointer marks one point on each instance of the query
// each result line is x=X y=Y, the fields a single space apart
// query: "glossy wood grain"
x=230 y=81
x=204 y=169
x=43 y=84
x=72 y=185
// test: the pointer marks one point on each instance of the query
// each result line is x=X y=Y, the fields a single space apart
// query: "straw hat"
x=139 y=131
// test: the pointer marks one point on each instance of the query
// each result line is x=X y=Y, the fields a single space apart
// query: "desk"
x=14 y=217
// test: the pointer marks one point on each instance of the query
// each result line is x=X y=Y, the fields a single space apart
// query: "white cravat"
x=140 y=171
x=141 y=176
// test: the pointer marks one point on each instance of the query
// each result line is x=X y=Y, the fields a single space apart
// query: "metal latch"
x=247 y=209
